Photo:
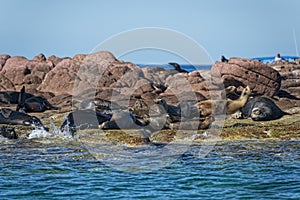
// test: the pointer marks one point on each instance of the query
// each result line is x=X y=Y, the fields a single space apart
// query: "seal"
x=12 y=97
x=223 y=59
x=207 y=107
x=262 y=109
x=177 y=67
x=84 y=119
x=232 y=106
x=173 y=112
x=34 y=103
x=126 y=120
x=9 y=116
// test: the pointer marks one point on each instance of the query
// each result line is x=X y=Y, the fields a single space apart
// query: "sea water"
x=187 y=67
x=43 y=168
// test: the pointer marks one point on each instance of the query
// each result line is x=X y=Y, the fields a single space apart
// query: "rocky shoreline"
x=55 y=79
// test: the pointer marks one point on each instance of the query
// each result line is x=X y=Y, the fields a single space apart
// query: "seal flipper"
x=21 y=99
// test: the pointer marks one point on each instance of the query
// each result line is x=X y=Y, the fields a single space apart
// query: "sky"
x=234 y=28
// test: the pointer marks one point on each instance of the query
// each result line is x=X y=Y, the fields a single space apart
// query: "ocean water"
x=46 y=168
x=187 y=67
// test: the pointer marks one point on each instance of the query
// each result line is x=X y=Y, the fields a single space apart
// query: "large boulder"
x=290 y=73
x=73 y=76
x=21 y=71
x=261 y=78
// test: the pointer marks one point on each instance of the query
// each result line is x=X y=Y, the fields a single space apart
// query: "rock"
x=60 y=79
x=41 y=58
x=55 y=60
x=74 y=76
x=261 y=78
x=3 y=59
x=6 y=84
x=21 y=71
x=79 y=58
x=290 y=73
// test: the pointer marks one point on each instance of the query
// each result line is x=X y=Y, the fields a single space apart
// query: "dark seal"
x=9 y=116
x=84 y=119
x=262 y=109
x=33 y=103
x=177 y=67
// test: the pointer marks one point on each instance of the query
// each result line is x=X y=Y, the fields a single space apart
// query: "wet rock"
x=8 y=132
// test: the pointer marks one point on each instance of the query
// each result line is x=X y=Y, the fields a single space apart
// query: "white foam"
x=56 y=130
x=39 y=133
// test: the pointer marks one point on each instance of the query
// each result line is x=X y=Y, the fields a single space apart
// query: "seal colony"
x=93 y=114
x=155 y=109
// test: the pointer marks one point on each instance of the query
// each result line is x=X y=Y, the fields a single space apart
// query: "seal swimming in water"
x=177 y=67
x=262 y=109
x=34 y=103
x=9 y=116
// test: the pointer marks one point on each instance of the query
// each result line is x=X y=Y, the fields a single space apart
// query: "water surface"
x=45 y=169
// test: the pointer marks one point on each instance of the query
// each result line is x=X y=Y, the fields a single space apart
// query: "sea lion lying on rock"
x=9 y=116
x=208 y=107
x=262 y=109
x=84 y=119
x=34 y=103
x=12 y=97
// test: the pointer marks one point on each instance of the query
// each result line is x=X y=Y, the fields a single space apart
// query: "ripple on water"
x=249 y=169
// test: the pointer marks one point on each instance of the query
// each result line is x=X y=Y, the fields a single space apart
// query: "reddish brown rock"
x=3 y=59
x=74 y=76
x=30 y=73
x=6 y=84
x=262 y=79
x=41 y=58
x=55 y=60
x=290 y=73
x=60 y=79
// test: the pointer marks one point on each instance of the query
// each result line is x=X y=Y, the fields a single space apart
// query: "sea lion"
x=34 y=103
x=207 y=107
x=262 y=109
x=122 y=120
x=232 y=106
x=12 y=97
x=84 y=119
x=126 y=120
x=9 y=116
x=177 y=67
x=223 y=59
x=174 y=112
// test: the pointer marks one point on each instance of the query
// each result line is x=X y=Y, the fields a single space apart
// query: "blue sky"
x=234 y=28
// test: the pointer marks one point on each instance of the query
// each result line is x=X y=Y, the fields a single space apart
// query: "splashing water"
x=66 y=133
x=39 y=133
